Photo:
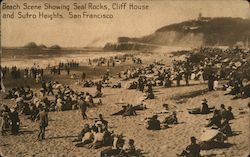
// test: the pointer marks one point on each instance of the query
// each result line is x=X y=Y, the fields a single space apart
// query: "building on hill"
x=203 y=19
x=197 y=22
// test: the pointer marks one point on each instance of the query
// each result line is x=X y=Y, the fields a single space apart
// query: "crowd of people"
x=13 y=71
x=53 y=96
x=34 y=72
x=99 y=135
x=9 y=120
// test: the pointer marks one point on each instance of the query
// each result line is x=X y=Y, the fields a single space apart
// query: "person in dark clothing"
x=44 y=87
x=226 y=128
x=172 y=119
x=9 y=95
x=140 y=84
x=43 y=123
x=178 y=78
x=33 y=112
x=129 y=111
x=230 y=114
x=215 y=120
x=211 y=81
x=46 y=102
x=68 y=70
x=154 y=123
x=50 y=89
x=116 y=149
x=226 y=115
x=121 y=111
x=83 y=76
x=192 y=150
x=83 y=106
x=204 y=107
x=99 y=86
x=14 y=117
x=186 y=76
x=26 y=109
x=223 y=111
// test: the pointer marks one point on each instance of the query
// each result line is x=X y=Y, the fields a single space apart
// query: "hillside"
x=203 y=31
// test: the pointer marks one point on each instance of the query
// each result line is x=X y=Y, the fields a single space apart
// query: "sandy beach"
x=65 y=126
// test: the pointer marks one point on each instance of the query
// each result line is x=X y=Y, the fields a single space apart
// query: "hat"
x=98 y=123
x=155 y=116
x=193 y=138
x=204 y=100
x=165 y=105
x=131 y=141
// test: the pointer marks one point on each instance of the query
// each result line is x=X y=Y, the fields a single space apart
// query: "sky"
x=95 y=32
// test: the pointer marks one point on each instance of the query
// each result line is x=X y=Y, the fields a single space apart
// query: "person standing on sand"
x=83 y=76
x=211 y=81
x=4 y=118
x=14 y=117
x=90 y=62
x=43 y=123
x=50 y=88
x=83 y=107
x=68 y=70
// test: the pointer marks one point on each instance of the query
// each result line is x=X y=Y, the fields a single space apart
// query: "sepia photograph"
x=125 y=78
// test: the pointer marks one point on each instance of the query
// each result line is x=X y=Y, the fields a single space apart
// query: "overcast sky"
x=82 y=32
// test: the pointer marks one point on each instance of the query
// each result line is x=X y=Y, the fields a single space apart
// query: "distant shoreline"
x=46 y=49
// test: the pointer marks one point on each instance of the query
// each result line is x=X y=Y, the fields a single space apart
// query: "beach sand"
x=65 y=126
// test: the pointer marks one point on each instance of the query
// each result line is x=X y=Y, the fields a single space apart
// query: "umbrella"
x=209 y=134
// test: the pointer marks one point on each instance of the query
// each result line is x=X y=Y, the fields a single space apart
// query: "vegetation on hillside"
x=210 y=32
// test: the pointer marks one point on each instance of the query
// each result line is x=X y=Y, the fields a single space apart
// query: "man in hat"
x=43 y=122
x=204 y=107
x=230 y=114
x=223 y=111
x=192 y=150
